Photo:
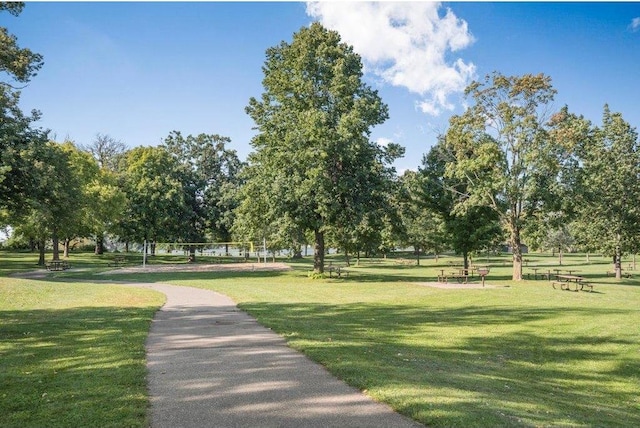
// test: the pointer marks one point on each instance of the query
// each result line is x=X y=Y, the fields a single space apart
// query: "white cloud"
x=405 y=44
x=383 y=141
x=635 y=24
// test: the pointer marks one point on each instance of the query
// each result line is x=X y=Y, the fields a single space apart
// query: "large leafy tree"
x=475 y=228
x=423 y=228
x=608 y=217
x=503 y=153
x=313 y=159
x=21 y=146
x=155 y=199
x=55 y=211
x=106 y=200
x=210 y=175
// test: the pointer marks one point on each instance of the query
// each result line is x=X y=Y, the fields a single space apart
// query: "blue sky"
x=137 y=71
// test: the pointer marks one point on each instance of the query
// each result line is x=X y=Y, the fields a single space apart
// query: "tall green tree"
x=313 y=159
x=503 y=153
x=473 y=229
x=21 y=145
x=106 y=199
x=608 y=211
x=424 y=229
x=55 y=211
x=155 y=205
x=210 y=174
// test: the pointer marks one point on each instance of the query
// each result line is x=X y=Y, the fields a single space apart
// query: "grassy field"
x=72 y=354
x=511 y=354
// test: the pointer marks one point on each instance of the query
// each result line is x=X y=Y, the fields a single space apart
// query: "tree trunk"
x=517 y=252
x=318 y=252
x=99 y=250
x=192 y=254
x=465 y=262
x=618 y=263
x=40 y=245
x=153 y=248
x=126 y=246
x=346 y=256
x=560 y=256
x=226 y=249
x=66 y=244
x=56 y=242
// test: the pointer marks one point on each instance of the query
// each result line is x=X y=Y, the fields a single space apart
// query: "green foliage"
x=608 y=215
x=210 y=175
x=502 y=151
x=313 y=161
x=20 y=143
x=475 y=228
x=156 y=204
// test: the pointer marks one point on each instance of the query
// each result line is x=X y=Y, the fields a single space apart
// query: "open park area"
x=72 y=342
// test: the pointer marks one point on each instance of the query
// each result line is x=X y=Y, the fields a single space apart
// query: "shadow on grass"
x=74 y=367
x=470 y=365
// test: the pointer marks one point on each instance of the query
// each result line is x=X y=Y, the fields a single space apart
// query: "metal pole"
x=144 y=254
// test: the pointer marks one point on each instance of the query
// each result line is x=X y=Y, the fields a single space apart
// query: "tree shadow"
x=517 y=377
x=74 y=367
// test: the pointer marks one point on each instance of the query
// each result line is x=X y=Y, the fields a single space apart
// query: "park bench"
x=625 y=274
x=586 y=284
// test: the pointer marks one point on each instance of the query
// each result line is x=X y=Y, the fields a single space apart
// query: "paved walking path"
x=212 y=365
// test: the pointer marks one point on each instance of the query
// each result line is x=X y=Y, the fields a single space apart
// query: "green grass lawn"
x=72 y=354
x=511 y=354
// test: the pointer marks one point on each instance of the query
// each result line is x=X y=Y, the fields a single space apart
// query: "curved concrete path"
x=212 y=365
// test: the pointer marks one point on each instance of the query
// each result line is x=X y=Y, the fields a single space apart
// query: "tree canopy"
x=21 y=145
x=313 y=161
x=502 y=152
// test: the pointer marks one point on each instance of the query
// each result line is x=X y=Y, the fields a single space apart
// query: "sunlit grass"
x=73 y=354
x=511 y=354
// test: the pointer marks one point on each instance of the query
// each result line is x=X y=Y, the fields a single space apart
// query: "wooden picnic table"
x=461 y=275
x=535 y=272
x=565 y=282
x=57 y=265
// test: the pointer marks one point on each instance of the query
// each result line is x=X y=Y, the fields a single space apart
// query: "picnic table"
x=535 y=272
x=565 y=281
x=461 y=275
x=57 y=265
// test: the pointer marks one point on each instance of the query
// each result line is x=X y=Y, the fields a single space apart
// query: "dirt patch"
x=454 y=285
x=220 y=267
